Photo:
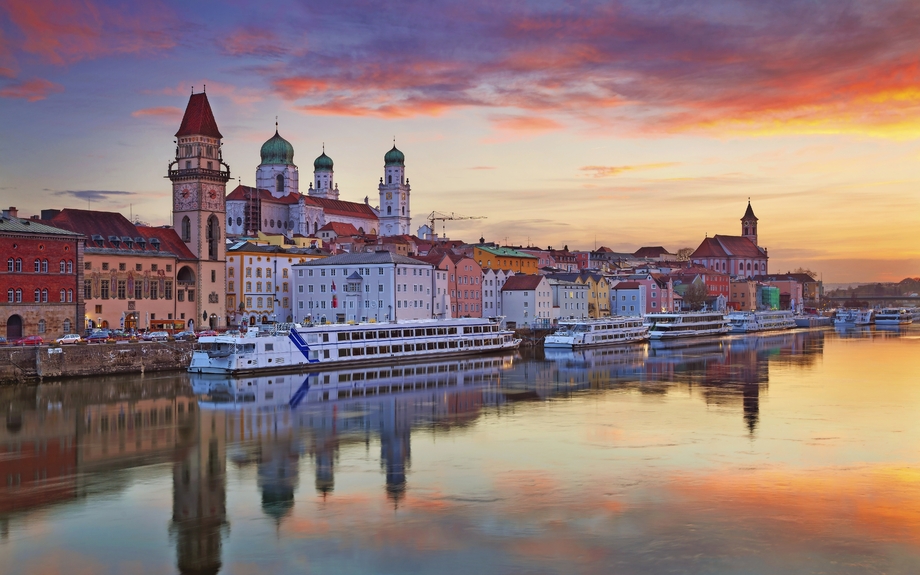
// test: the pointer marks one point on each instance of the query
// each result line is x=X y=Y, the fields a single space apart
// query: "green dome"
x=277 y=150
x=323 y=162
x=394 y=157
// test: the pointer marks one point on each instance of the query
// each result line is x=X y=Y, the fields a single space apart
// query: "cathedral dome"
x=277 y=150
x=323 y=162
x=394 y=158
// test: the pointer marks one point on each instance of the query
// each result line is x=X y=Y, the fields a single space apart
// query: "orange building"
x=499 y=258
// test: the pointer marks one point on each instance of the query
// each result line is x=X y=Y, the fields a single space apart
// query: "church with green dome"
x=276 y=206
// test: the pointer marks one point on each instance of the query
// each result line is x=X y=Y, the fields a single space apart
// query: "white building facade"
x=527 y=301
x=570 y=299
x=358 y=287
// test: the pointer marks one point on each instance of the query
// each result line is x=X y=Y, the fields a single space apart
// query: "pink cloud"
x=31 y=90
x=166 y=112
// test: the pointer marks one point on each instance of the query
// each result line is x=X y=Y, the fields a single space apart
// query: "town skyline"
x=635 y=126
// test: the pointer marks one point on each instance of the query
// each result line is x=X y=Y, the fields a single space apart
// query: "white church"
x=276 y=206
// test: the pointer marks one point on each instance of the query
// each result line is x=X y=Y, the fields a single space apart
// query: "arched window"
x=63 y=295
x=213 y=236
x=63 y=266
x=38 y=295
x=38 y=266
x=390 y=179
x=10 y=295
x=404 y=210
x=69 y=295
x=45 y=296
x=19 y=296
x=67 y=325
x=763 y=266
x=70 y=266
x=389 y=210
x=44 y=266
x=10 y=265
x=279 y=183
x=315 y=227
x=41 y=326
x=749 y=266
x=186 y=229
x=18 y=264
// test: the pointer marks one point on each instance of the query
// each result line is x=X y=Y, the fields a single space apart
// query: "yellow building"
x=598 y=295
x=499 y=258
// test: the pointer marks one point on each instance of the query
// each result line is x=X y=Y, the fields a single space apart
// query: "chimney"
x=12 y=212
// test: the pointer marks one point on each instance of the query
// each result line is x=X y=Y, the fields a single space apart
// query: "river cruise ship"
x=854 y=317
x=673 y=326
x=573 y=334
x=300 y=347
x=893 y=316
x=751 y=321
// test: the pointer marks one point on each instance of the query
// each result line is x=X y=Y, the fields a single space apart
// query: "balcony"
x=196 y=173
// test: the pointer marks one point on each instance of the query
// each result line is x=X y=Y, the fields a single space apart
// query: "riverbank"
x=36 y=364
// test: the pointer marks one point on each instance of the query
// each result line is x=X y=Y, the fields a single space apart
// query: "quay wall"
x=38 y=363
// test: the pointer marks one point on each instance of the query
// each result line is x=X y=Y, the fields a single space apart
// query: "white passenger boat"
x=751 y=321
x=853 y=317
x=294 y=347
x=593 y=332
x=670 y=326
x=893 y=316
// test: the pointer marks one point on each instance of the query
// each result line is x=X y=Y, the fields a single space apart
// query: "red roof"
x=95 y=225
x=342 y=207
x=651 y=252
x=522 y=282
x=243 y=193
x=710 y=248
x=627 y=285
x=749 y=213
x=739 y=246
x=340 y=229
x=198 y=118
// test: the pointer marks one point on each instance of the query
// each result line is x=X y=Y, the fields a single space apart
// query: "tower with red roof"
x=199 y=178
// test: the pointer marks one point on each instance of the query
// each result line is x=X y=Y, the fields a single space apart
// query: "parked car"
x=205 y=332
x=185 y=335
x=156 y=336
x=2 y=340
x=29 y=340
x=100 y=336
x=69 y=338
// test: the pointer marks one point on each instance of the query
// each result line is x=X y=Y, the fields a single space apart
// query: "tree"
x=810 y=273
x=683 y=254
x=695 y=295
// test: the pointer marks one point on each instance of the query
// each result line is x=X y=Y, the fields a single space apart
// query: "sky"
x=579 y=124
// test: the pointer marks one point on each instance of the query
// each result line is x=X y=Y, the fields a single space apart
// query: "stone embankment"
x=33 y=364
x=532 y=337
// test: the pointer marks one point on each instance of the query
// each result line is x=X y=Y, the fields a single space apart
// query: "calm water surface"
x=791 y=453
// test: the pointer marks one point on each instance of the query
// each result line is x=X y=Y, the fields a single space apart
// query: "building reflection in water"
x=60 y=442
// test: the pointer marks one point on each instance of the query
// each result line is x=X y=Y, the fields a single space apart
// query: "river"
x=782 y=453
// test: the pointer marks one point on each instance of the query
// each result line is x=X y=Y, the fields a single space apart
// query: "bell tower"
x=395 y=216
x=749 y=224
x=199 y=180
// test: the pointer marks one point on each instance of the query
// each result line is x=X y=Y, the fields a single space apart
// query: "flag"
x=333 y=287
x=335 y=301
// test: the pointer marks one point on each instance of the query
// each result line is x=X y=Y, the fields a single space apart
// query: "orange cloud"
x=66 y=31
x=609 y=171
x=168 y=112
x=525 y=123
x=31 y=90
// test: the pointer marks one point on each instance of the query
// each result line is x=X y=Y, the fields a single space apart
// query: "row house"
x=492 y=282
x=657 y=293
x=41 y=283
x=379 y=286
x=544 y=257
x=565 y=261
x=134 y=275
x=260 y=282
x=799 y=289
x=489 y=257
x=743 y=295
x=717 y=283
x=628 y=298
x=527 y=301
x=464 y=281
x=570 y=299
x=598 y=292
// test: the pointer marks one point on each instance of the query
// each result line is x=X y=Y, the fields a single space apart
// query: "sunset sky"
x=622 y=124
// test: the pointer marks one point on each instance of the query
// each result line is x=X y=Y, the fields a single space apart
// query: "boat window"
x=452 y=331
x=370 y=335
x=326 y=337
x=269 y=347
x=420 y=333
x=343 y=336
x=357 y=335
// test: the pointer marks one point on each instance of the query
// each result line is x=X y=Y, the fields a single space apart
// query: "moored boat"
x=853 y=317
x=669 y=326
x=893 y=316
x=594 y=332
x=753 y=321
x=298 y=347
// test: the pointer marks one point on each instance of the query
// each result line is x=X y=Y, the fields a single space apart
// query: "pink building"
x=734 y=255
x=464 y=281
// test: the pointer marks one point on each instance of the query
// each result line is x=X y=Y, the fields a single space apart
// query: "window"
x=279 y=183
x=213 y=276
x=167 y=292
x=10 y=265
x=69 y=296
x=180 y=295
x=154 y=267
x=104 y=289
x=70 y=266
x=249 y=272
x=248 y=286
x=191 y=295
x=11 y=295
x=258 y=272
x=231 y=272
x=44 y=296
x=186 y=229
x=231 y=286
x=122 y=289
x=63 y=266
x=38 y=266
x=87 y=289
x=18 y=295
x=19 y=265
x=67 y=325
x=138 y=289
x=41 y=326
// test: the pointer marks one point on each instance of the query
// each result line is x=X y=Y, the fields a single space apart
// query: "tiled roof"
x=627 y=285
x=740 y=246
x=243 y=193
x=506 y=252
x=24 y=226
x=522 y=282
x=709 y=248
x=101 y=228
x=651 y=252
x=198 y=118
x=340 y=229
x=342 y=208
x=749 y=213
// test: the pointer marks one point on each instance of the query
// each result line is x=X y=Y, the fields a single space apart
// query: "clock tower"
x=199 y=181
x=395 y=216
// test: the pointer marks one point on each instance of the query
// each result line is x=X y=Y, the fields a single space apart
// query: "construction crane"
x=440 y=216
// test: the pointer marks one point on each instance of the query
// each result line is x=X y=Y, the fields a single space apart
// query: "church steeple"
x=749 y=224
x=394 y=189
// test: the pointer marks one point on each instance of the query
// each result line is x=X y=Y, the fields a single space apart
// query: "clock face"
x=212 y=198
x=185 y=198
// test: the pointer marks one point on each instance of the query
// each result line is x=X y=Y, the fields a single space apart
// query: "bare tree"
x=683 y=254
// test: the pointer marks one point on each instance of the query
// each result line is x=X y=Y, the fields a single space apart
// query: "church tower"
x=199 y=179
x=749 y=224
x=323 y=185
x=277 y=172
x=394 y=189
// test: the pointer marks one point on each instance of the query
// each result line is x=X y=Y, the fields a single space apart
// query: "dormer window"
x=141 y=242
x=115 y=241
x=155 y=242
x=129 y=243
x=99 y=240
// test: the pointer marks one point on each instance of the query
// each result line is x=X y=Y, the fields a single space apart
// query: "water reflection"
x=61 y=443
